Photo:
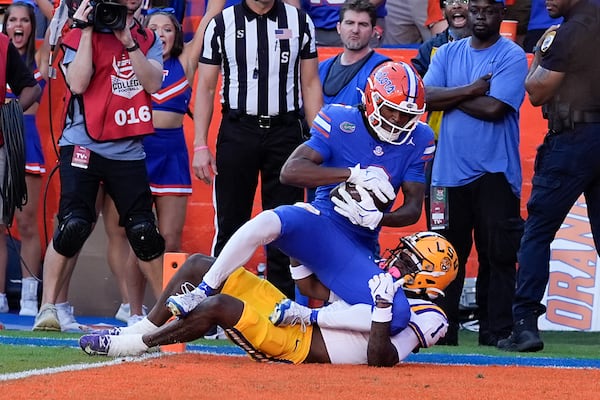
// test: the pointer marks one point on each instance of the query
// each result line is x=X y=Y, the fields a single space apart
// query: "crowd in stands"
x=255 y=135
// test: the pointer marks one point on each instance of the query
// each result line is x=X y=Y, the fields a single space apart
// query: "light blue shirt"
x=469 y=147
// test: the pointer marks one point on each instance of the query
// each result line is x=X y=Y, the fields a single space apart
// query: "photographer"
x=111 y=65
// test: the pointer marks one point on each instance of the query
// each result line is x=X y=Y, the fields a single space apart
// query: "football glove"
x=382 y=288
x=374 y=179
x=363 y=213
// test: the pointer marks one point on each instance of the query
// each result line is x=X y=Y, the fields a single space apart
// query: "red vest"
x=115 y=105
x=3 y=56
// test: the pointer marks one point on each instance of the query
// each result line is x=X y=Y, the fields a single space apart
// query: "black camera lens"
x=108 y=16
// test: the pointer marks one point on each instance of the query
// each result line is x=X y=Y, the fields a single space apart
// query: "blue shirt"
x=469 y=147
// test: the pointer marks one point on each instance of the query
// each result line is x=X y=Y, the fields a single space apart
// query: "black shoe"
x=524 y=338
x=487 y=339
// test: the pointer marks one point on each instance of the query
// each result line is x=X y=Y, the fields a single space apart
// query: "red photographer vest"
x=115 y=105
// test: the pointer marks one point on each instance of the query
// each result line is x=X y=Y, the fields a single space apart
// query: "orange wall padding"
x=199 y=229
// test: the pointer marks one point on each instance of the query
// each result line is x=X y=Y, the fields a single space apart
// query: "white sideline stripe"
x=77 y=367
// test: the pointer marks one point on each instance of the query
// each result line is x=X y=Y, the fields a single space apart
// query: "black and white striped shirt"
x=260 y=57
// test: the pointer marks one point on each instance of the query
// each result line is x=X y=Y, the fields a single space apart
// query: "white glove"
x=374 y=179
x=363 y=212
x=382 y=288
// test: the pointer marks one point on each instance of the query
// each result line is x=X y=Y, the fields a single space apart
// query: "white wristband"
x=381 y=314
x=300 y=272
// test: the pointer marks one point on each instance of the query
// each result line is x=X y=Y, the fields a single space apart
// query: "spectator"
x=262 y=98
x=373 y=135
x=101 y=142
x=539 y=21
x=456 y=13
x=412 y=22
x=43 y=11
x=563 y=80
x=19 y=25
x=23 y=84
x=478 y=83
x=344 y=76
x=326 y=16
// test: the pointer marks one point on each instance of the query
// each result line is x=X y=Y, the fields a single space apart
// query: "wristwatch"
x=132 y=48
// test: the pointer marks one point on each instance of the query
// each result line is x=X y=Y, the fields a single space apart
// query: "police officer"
x=563 y=77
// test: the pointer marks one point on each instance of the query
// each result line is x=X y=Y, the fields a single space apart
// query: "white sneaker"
x=4 y=303
x=66 y=318
x=218 y=333
x=29 y=308
x=180 y=305
x=124 y=312
x=47 y=319
x=289 y=313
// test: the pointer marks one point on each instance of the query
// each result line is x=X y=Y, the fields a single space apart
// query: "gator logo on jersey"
x=347 y=127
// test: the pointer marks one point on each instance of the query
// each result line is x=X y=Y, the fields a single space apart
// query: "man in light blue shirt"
x=479 y=84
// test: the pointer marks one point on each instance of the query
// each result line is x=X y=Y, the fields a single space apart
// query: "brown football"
x=353 y=192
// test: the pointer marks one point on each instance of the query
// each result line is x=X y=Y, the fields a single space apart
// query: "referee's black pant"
x=245 y=149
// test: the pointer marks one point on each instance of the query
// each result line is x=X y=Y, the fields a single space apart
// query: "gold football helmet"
x=426 y=263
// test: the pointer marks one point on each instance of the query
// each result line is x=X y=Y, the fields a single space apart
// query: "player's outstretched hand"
x=374 y=179
x=382 y=288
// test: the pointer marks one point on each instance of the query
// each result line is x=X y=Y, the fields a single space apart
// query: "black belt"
x=585 y=117
x=557 y=124
x=263 y=121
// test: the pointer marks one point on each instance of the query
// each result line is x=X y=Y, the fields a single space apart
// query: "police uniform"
x=567 y=163
x=167 y=157
x=262 y=123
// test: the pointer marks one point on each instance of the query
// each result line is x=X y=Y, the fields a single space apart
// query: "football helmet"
x=398 y=86
x=425 y=262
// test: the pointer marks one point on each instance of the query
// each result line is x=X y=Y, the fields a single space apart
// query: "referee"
x=267 y=52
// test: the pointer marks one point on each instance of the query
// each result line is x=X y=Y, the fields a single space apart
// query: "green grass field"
x=16 y=358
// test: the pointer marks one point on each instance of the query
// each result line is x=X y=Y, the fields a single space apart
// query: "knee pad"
x=71 y=234
x=144 y=238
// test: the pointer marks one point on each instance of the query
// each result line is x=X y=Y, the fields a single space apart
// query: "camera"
x=107 y=16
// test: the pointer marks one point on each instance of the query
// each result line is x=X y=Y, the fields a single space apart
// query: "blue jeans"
x=566 y=165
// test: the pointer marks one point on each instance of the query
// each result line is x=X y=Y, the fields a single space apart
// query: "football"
x=353 y=192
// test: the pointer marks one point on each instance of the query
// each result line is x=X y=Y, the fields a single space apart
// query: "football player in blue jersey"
x=380 y=146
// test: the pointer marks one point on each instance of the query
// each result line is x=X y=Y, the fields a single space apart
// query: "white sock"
x=141 y=327
x=341 y=315
x=259 y=231
x=127 y=345
x=29 y=287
